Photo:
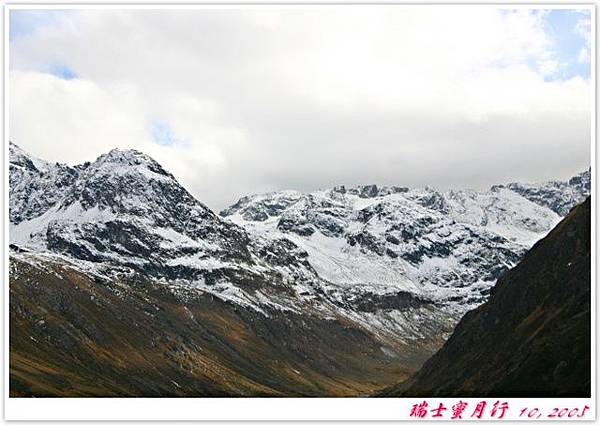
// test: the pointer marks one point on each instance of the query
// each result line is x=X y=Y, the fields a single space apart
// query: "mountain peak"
x=130 y=159
x=118 y=154
x=13 y=147
x=122 y=207
x=20 y=158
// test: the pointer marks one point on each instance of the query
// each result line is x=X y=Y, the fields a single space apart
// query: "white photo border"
x=281 y=409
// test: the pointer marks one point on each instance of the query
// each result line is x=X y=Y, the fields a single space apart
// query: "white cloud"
x=305 y=97
x=77 y=120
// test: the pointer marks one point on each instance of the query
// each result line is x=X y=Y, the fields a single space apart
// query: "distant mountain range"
x=292 y=278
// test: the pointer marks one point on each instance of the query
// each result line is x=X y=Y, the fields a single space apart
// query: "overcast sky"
x=235 y=100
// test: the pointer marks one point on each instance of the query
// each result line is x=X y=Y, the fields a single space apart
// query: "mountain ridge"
x=435 y=245
x=399 y=265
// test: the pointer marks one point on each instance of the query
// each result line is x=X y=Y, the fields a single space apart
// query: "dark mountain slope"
x=532 y=337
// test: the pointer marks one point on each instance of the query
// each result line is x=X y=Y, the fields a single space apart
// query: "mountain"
x=388 y=270
x=370 y=241
x=533 y=336
x=118 y=246
x=84 y=212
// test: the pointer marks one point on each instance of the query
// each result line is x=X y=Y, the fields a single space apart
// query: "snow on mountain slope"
x=35 y=185
x=447 y=246
x=402 y=263
x=502 y=211
x=121 y=193
x=559 y=196
x=125 y=209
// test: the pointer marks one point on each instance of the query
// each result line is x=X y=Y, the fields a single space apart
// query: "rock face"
x=532 y=337
x=398 y=265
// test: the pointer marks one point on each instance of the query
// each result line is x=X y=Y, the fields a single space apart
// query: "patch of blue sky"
x=25 y=22
x=163 y=135
x=570 y=33
x=62 y=72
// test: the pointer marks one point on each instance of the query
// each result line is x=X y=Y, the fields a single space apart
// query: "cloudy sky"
x=240 y=100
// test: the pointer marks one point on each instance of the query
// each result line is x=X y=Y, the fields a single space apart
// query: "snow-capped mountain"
x=403 y=264
x=123 y=207
x=448 y=245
